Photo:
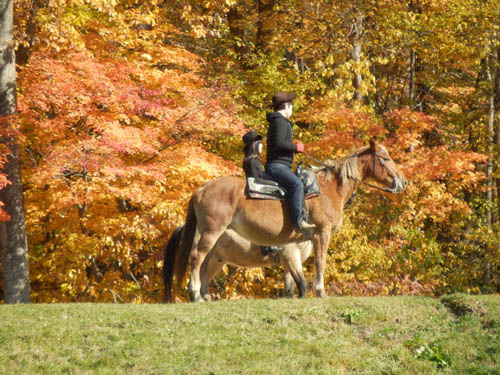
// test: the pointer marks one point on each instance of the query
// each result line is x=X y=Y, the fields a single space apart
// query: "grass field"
x=394 y=335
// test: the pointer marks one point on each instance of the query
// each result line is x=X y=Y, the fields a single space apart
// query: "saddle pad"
x=266 y=190
x=257 y=188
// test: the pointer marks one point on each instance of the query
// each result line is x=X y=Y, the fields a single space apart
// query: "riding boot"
x=304 y=226
x=271 y=250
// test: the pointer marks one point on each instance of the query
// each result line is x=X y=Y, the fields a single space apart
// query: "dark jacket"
x=253 y=168
x=280 y=148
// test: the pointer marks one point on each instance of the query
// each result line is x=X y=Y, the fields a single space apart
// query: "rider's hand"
x=300 y=147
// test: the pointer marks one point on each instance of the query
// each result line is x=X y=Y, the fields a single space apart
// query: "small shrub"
x=429 y=351
x=350 y=316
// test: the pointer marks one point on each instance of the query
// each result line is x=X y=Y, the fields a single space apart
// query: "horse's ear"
x=373 y=144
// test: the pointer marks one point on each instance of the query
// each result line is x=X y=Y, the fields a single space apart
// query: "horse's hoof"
x=195 y=297
x=288 y=295
x=207 y=297
x=320 y=293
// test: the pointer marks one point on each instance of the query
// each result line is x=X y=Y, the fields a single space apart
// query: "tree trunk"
x=356 y=56
x=411 y=88
x=417 y=89
x=24 y=51
x=491 y=74
x=496 y=140
x=236 y=26
x=14 y=243
x=265 y=24
x=489 y=166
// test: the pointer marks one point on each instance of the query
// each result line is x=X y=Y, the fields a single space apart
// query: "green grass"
x=394 y=335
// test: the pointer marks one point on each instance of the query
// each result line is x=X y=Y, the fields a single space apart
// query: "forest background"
x=126 y=106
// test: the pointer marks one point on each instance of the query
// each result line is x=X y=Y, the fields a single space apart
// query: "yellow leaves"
x=119 y=135
x=66 y=288
x=437 y=203
x=381 y=60
x=256 y=282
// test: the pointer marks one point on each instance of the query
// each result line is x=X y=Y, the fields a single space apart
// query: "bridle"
x=389 y=172
x=378 y=157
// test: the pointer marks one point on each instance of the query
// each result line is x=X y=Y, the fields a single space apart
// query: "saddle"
x=258 y=188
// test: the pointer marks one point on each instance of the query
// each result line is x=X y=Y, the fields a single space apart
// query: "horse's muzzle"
x=399 y=184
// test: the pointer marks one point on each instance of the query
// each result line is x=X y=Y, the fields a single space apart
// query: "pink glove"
x=300 y=147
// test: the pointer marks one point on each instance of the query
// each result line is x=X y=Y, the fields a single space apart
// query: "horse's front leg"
x=293 y=267
x=289 y=285
x=320 y=245
x=198 y=255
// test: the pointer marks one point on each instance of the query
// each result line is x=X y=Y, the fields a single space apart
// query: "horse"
x=233 y=249
x=222 y=203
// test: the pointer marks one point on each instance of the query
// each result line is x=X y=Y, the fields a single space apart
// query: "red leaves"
x=342 y=128
x=408 y=121
x=443 y=164
x=114 y=148
x=8 y=132
x=4 y=216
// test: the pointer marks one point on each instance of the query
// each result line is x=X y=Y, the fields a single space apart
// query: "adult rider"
x=280 y=152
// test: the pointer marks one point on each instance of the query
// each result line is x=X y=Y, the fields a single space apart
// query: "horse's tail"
x=169 y=262
x=186 y=245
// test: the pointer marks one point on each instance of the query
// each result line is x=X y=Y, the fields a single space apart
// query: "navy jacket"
x=280 y=148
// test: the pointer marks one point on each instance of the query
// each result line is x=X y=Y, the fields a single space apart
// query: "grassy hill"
x=393 y=335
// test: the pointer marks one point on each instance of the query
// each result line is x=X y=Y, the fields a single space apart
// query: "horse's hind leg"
x=209 y=269
x=198 y=255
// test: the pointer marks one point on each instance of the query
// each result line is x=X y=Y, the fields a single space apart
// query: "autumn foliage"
x=126 y=107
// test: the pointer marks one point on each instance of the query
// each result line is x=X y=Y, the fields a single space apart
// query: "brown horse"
x=233 y=249
x=222 y=204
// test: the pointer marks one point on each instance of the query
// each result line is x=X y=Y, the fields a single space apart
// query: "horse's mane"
x=344 y=168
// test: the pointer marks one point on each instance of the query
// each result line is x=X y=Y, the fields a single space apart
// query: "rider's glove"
x=300 y=147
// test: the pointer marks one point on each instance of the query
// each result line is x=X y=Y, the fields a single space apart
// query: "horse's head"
x=380 y=167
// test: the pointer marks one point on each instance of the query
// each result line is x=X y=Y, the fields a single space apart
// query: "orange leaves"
x=443 y=164
x=8 y=133
x=116 y=148
x=4 y=151
x=409 y=125
x=342 y=128
x=125 y=123
x=4 y=216
x=127 y=139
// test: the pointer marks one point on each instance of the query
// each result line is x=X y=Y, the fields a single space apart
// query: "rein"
x=315 y=160
x=386 y=190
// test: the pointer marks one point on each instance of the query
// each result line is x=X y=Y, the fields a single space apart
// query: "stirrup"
x=306 y=229
x=271 y=250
